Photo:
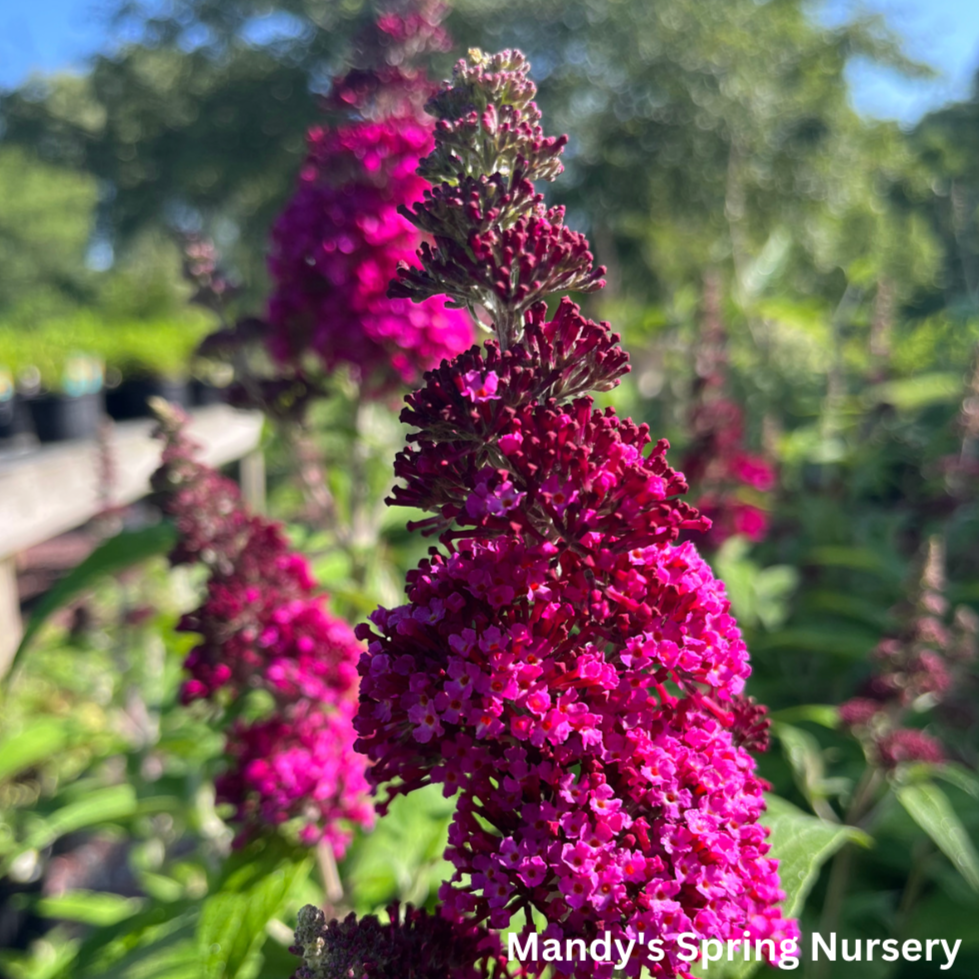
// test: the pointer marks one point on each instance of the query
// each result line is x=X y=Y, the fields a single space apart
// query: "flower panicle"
x=564 y=666
x=489 y=123
x=340 y=238
x=729 y=482
x=915 y=670
x=264 y=624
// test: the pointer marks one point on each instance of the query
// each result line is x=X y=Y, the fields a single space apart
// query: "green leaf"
x=89 y=907
x=402 y=857
x=114 y=555
x=171 y=955
x=929 y=807
x=913 y=393
x=824 y=714
x=805 y=756
x=957 y=775
x=101 y=806
x=856 y=558
x=112 y=943
x=845 y=643
x=41 y=739
x=46 y=959
x=802 y=844
x=232 y=926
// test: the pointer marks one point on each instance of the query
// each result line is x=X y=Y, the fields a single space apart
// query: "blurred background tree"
x=701 y=130
x=45 y=225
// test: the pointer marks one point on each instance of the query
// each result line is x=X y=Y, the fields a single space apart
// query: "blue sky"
x=49 y=35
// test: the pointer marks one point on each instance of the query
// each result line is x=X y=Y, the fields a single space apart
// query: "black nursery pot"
x=62 y=417
x=203 y=394
x=129 y=399
x=15 y=418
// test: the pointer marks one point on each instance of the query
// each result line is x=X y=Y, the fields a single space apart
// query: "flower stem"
x=839 y=874
x=331 y=876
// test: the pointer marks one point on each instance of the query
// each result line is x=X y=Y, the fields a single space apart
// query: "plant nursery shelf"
x=51 y=489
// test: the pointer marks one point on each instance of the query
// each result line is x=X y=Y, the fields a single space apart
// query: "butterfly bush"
x=563 y=665
x=914 y=671
x=730 y=482
x=263 y=625
x=339 y=240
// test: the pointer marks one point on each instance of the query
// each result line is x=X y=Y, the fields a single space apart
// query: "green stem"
x=363 y=534
x=920 y=856
x=842 y=865
x=330 y=875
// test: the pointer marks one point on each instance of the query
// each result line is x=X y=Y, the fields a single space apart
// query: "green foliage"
x=253 y=890
x=130 y=347
x=45 y=222
x=402 y=858
x=127 y=548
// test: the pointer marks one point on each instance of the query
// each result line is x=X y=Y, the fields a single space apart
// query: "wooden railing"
x=48 y=490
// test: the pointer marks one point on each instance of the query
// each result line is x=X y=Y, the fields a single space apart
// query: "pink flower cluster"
x=340 y=238
x=298 y=764
x=914 y=668
x=263 y=625
x=515 y=665
x=564 y=667
x=728 y=481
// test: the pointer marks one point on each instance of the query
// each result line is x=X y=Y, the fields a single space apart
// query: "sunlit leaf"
x=89 y=907
x=39 y=740
x=116 y=554
x=102 y=806
x=929 y=807
x=232 y=925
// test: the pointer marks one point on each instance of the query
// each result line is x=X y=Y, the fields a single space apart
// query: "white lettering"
x=707 y=951
x=606 y=943
x=527 y=953
x=686 y=941
x=625 y=952
x=818 y=943
x=569 y=949
x=847 y=957
x=788 y=951
x=656 y=952
x=950 y=953
x=552 y=950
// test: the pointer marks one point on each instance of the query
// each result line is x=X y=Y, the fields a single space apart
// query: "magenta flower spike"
x=339 y=240
x=728 y=480
x=918 y=667
x=264 y=625
x=562 y=665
